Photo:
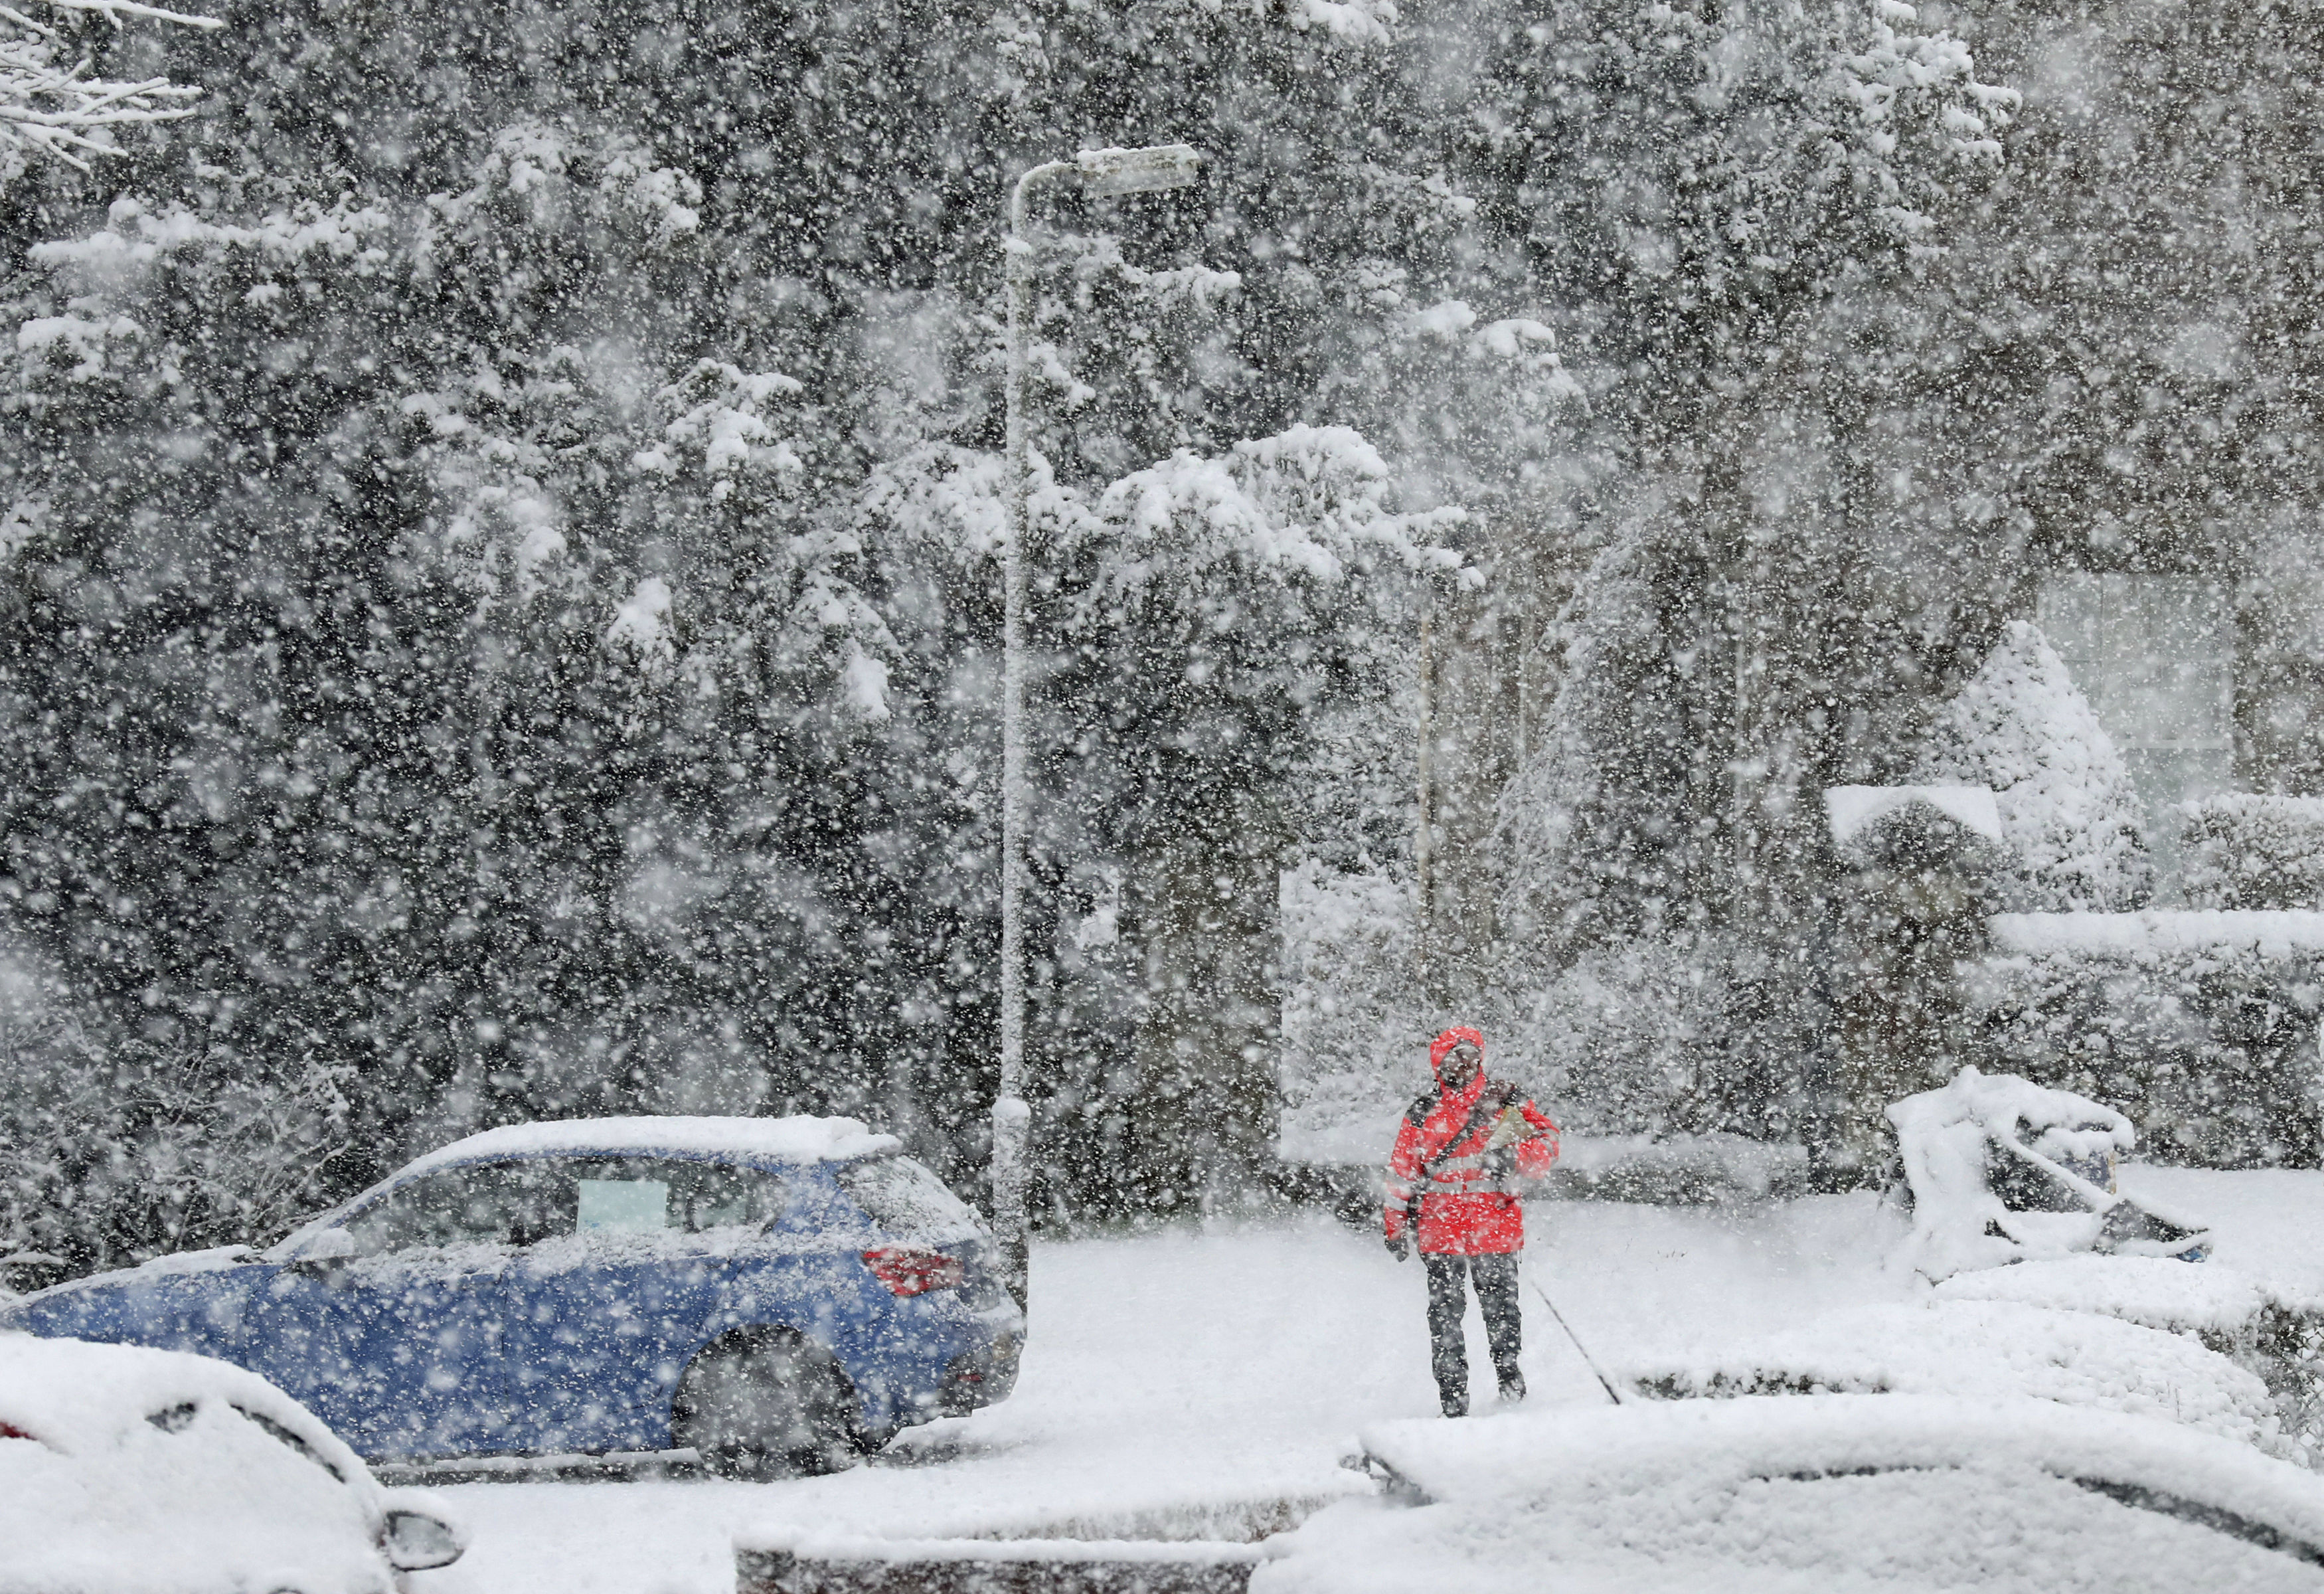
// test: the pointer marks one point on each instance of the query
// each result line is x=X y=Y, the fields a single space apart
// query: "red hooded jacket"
x=1466 y=1209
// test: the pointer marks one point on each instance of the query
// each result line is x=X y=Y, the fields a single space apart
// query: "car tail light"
x=10 y=1430
x=912 y=1269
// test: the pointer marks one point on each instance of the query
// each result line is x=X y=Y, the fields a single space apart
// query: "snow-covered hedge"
x=2252 y=851
x=2201 y=1026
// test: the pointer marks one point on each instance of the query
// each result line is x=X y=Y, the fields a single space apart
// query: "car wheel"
x=765 y=1408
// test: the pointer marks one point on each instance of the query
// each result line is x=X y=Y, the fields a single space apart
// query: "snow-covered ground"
x=1183 y=1366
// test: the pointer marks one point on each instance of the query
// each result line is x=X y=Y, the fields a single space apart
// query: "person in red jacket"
x=1460 y=1153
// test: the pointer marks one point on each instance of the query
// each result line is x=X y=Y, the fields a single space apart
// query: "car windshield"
x=907 y=1201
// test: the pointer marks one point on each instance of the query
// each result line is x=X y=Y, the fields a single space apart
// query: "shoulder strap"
x=1489 y=1101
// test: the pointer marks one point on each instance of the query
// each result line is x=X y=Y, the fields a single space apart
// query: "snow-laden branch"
x=62 y=111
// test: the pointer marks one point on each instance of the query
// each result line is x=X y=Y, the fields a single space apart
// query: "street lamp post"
x=1095 y=172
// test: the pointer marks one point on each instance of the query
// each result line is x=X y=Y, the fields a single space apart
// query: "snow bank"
x=1849 y=809
x=2132 y=936
x=1993 y=1348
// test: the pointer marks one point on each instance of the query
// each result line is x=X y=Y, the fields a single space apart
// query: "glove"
x=1509 y=1128
x=1398 y=1246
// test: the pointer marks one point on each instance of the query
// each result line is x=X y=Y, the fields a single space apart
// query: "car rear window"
x=905 y=1201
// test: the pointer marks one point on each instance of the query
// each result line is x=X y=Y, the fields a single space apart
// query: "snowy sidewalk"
x=1183 y=1367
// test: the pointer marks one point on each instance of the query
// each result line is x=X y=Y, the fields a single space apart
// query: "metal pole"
x=1100 y=171
x=1604 y=1383
x=1423 y=840
x=1010 y=1115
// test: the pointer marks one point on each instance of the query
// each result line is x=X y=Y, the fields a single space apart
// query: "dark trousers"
x=1496 y=1277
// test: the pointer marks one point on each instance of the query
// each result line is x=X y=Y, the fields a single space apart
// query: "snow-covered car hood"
x=153 y=1471
x=1843 y=1493
x=1643 y=1445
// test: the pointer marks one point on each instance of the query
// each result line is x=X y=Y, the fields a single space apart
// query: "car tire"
x=766 y=1407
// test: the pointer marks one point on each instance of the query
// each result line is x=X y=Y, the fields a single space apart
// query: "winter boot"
x=1513 y=1390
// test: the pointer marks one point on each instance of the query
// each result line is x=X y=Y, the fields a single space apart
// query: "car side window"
x=515 y=1204
x=669 y=1195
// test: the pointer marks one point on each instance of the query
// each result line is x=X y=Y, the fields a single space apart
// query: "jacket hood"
x=1441 y=1047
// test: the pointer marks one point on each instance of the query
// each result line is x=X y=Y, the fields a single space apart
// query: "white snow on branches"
x=1353 y=22
x=51 y=109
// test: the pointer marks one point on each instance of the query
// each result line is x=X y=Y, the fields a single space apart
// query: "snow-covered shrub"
x=2249 y=850
x=112 y=1152
x=2208 y=1045
x=2069 y=814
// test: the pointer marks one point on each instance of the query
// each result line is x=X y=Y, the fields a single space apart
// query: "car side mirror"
x=325 y=1250
x=414 y=1540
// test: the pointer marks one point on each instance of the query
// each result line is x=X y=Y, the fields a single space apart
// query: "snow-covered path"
x=1180 y=1367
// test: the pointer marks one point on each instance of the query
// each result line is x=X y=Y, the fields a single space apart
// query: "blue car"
x=775 y=1295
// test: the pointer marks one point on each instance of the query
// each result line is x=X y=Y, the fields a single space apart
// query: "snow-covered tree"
x=51 y=103
x=2070 y=817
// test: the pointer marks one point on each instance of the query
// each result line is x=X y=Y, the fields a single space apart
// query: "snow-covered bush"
x=2249 y=850
x=2068 y=815
x=2208 y=1043
x=112 y=1152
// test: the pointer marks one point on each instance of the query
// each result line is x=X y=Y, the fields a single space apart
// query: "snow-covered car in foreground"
x=147 y=1471
x=771 y=1293
x=1981 y=1348
x=1816 y=1495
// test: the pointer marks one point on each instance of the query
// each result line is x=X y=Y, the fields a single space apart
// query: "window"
x=523 y=1203
x=493 y=1204
x=653 y=1194
x=2155 y=655
x=905 y=1201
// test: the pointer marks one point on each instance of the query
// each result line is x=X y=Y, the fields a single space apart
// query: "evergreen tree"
x=2070 y=817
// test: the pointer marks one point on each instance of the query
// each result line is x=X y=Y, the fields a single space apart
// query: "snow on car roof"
x=1992 y=1347
x=2160 y=1293
x=1643 y=1447
x=799 y=1139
